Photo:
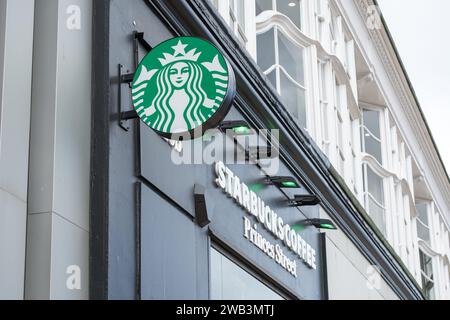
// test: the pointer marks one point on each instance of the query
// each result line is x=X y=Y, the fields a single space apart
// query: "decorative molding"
x=425 y=247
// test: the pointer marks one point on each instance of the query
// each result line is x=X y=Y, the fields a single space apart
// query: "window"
x=423 y=229
x=323 y=97
x=290 y=8
x=237 y=19
x=333 y=32
x=231 y=282
x=283 y=63
x=372 y=134
x=426 y=268
x=374 y=197
x=339 y=127
x=353 y=161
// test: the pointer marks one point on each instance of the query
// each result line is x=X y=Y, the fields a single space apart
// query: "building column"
x=57 y=264
x=16 y=49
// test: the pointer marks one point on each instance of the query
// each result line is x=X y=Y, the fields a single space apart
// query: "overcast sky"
x=421 y=31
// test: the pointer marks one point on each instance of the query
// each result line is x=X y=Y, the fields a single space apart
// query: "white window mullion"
x=277 y=60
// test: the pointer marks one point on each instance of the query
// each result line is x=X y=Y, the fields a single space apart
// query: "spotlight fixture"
x=238 y=127
x=259 y=153
x=284 y=182
x=319 y=223
x=304 y=200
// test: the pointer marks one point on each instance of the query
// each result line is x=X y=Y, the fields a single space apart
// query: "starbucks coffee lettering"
x=269 y=219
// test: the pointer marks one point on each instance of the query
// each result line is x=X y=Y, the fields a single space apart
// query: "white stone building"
x=337 y=69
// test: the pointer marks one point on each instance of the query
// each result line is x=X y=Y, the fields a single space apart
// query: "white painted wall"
x=350 y=275
x=58 y=199
x=16 y=44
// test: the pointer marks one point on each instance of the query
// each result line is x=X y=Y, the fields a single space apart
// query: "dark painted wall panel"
x=157 y=168
x=125 y=18
x=168 y=247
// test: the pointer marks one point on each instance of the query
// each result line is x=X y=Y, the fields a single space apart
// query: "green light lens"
x=289 y=184
x=327 y=226
x=297 y=228
x=241 y=130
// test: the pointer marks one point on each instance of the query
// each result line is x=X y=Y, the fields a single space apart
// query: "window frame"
x=381 y=140
x=425 y=277
x=367 y=196
x=420 y=223
x=278 y=68
x=233 y=12
x=248 y=267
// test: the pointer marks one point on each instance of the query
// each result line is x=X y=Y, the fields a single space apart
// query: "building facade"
x=95 y=206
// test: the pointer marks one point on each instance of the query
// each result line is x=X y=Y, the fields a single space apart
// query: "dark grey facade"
x=145 y=242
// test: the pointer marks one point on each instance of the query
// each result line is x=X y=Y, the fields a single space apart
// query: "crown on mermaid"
x=179 y=54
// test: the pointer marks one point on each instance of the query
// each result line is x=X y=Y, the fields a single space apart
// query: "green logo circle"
x=183 y=84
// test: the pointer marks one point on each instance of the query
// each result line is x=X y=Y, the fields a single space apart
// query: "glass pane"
x=375 y=185
x=240 y=8
x=377 y=215
x=266 y=49
x=323 y=82
x=230 y=282
x=422 y=212
x=423 y=232
x=294 y=99
x=292 y=9
x=372 y=122
x=426 y=265
x=291 y=58
x=263 y=5
x=429 y=290
x=273 y=78
x=325 y=121
x=372 y=146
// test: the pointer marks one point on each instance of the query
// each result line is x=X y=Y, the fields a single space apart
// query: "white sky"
x=421 y=32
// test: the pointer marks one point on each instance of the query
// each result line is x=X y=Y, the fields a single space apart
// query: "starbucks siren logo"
x=182 y=84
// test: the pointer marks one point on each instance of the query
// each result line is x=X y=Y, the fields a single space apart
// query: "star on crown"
x=179 y=54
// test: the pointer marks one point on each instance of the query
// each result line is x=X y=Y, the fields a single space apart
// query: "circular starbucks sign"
x=183 y=87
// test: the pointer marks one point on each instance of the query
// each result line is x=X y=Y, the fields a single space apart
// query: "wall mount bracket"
x=127 y=78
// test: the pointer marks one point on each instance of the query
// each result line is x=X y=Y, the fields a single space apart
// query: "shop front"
x=222 y=214
x=192 y=219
